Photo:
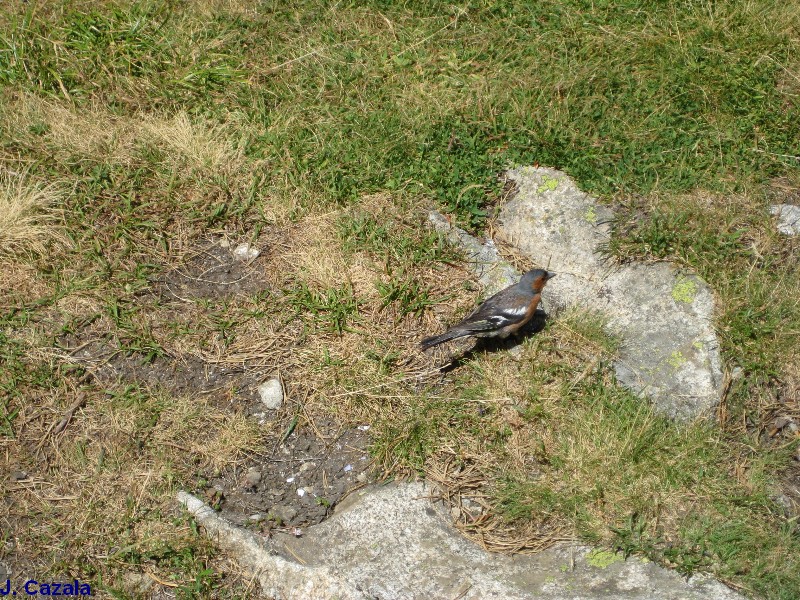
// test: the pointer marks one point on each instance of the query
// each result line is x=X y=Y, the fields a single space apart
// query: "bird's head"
x=536 y=279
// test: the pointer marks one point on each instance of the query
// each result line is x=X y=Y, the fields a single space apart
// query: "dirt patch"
x=185 y=376
x=305 y=468
x=217 y=270
x=299 y=483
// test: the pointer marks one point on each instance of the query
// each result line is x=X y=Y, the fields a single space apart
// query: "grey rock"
x=280 y=578
x=493 y=272
x=271 y=394
x=788 y=218
x=256 y=518
x=284 y=513
x=253 y=476
x=389 y=542
x=662 y=315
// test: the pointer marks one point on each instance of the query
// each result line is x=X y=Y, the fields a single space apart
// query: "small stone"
x=283 y=513
x=455 y=512
x=271 y=393
x=245 y=252
x=784 y=502
x=18 y=475
x=256 y=518
x=781 y=422
x=223 y=243
x=138 y=583
x=788 y=218
x=471 y=504
x=307 y=466
x=253 y=476
x=361 y=478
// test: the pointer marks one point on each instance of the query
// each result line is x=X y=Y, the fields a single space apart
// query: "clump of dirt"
x=299 y=483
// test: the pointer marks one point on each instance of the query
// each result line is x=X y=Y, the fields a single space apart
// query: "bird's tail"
x=450 y=334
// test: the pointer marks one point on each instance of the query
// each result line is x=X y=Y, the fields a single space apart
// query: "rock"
x=245 y=252
x=253 y=476
x=271 y=393
x=390 y=542
x=307 y=466
x=138 y=583
x=256 y=518
x=284 y=513
x=788 y=218
x=18 y=476
x=669 y=350
x=493 y=272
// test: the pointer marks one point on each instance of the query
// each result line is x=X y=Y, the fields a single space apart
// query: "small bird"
x=502 y=314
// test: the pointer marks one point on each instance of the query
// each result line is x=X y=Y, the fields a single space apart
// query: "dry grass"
x=88 y=132
x=30 y=221
x=201 y=145
x=111 y=472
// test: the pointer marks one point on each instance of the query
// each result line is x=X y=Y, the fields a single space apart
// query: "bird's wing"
x=495 y=315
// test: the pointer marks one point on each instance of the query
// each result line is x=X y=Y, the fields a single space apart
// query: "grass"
x=28 y=224
x=135 y=136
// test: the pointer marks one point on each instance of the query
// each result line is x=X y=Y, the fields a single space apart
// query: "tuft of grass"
x=332 y=308
x=30 y=221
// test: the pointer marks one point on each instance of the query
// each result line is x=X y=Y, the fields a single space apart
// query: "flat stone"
x=788 y=218
x=662 y=315
x=391 y=542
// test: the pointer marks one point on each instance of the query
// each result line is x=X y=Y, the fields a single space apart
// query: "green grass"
x=683 y=114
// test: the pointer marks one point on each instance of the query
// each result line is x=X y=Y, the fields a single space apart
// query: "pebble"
x=271 y=393
x=253 y=476
x=256 y=518
x=455 y=512
x=283 y=513
x=246 y=252
x=138 y=583
x=361 y=477
x=18 y=475
x=306 y=466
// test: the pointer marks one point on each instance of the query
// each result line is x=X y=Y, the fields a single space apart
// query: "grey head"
x=536 y=279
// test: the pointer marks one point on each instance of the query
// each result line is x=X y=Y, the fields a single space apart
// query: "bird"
x=501 y=315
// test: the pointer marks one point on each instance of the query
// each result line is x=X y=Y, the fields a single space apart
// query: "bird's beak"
x=550 y=276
